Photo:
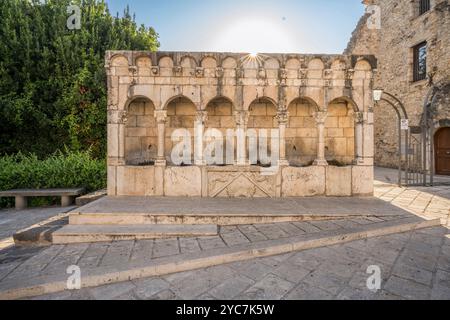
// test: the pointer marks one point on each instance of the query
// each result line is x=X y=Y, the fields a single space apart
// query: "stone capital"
x=282 y=117
x=241 y=117
x=359 y=117
x=320 y=117
x=161 y=116
x=201 y=117
x=117 y=117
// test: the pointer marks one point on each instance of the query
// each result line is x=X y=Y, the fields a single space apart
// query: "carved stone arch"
x=140 y=141
x=166 y=103
x=350 y=102
x=229 y=62
x=165 y=61
x=142 y=60
x=338 y=64
x=119 y=60
x=305 y=98
x=293 y=64
x=272 y=63
x=209 y=62
x=363 y=65
x=316 y=64
x=188 y=61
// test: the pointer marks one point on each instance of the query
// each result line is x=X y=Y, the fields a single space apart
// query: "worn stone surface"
x=402 y=28
x=152 y=97
x=333 y=273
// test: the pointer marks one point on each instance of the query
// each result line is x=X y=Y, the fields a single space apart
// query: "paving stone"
x=346 y=223
x=118 y=253
x=418 y=260
x=291 y=273
x=64 y=295
x=440 y=293
x=304 y=291
x=193 y=286
x=443 y=278
x=304 y=260
x=271 y=231
x=341 y=270
x=418 y=275
x=189 y=245
x=254 y=270
x=270 y=287
x=307 y=227
x=350 y=293
x=231 y=288
x=407 y=289
x=177 y=277
x=208 y=243
x=142 y=250
x=111 y=291
x=165 y=295
x=234 y=238
x=165 y=248
x=93 y=255
x=68 y=257
x=325 y=281
x=325 y=225
x=255 y=236
x=219 y=273
x=147 y=288
x=425 y=248
x=362 y=221
x=290 y=229
x=227 y=229
x=384 y=295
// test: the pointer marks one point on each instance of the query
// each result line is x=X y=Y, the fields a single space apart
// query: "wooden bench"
x=21 y=195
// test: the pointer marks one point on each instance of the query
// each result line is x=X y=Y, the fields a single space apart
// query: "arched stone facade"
x=319 y=110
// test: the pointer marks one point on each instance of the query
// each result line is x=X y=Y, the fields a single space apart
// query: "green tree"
x=52 y=79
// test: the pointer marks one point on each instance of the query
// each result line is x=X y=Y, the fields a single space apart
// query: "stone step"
x=106 y=233
x=97 y=276
x=223 y=211
x=223 y=219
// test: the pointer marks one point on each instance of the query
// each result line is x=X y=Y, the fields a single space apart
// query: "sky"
x=253 y=26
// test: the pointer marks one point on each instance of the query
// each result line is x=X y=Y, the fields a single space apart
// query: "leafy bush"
x=61 y=170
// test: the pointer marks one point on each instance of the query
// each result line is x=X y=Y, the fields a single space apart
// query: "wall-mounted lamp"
x=377 y=95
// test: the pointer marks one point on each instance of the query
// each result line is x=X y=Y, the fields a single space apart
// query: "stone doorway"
x=442 y=151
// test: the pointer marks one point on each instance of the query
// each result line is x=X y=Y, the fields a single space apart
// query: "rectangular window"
x=424 y=6
x=420 y=62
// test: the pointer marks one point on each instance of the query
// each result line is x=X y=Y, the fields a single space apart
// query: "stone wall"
x=314 y=107
x=401 y=29
x=141 y=136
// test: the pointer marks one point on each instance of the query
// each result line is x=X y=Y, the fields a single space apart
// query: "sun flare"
x=255 y=36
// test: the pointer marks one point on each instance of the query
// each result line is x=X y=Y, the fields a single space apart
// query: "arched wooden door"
x=442 y=149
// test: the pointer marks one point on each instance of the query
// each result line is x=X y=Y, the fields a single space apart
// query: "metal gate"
x=416 y=158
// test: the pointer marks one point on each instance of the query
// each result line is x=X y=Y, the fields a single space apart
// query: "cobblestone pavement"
x=413 y=266
x=19 y=264
x=426 y=202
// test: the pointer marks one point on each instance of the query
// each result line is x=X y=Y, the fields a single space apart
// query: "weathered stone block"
x=183 y=182
x=339 y=181
x=362 y=180
x=303 y=182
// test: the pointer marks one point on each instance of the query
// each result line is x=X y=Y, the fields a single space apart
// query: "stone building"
x=412 y=49
x=318 y=110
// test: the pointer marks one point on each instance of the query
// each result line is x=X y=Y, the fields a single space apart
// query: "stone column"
x=202 y=117
x=161 y=119
x=241 y=118
x=320 y=118
x=359 y=122
x=282 y=117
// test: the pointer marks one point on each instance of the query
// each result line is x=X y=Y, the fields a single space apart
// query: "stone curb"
x=186 y=262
